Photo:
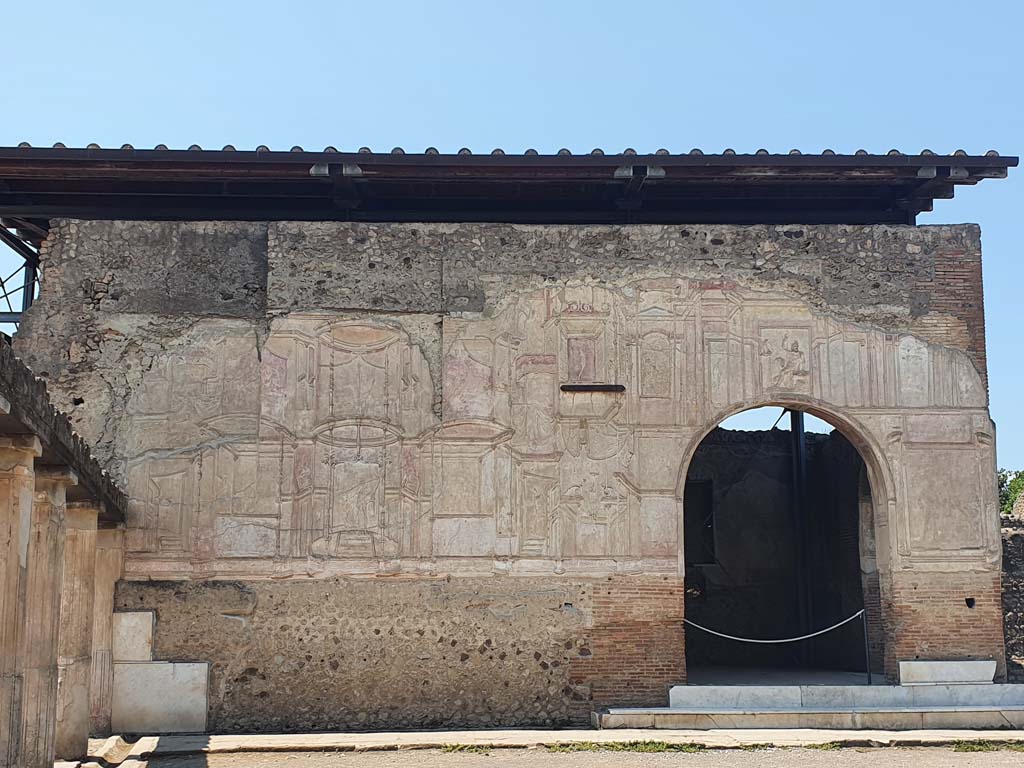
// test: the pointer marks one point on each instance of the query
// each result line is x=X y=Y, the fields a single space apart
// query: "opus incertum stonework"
x=420 y=469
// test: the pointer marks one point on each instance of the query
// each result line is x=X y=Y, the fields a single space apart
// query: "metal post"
x=28 y=286
x=801 y=526
x=867 y=648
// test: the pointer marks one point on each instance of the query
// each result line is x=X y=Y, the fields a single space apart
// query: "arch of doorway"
x=877 y=473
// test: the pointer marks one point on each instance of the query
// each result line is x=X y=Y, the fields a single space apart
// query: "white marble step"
x=828 y=697
x=886 y=718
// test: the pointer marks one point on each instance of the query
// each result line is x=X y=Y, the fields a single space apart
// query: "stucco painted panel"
x=319 y=448
x=399 y=407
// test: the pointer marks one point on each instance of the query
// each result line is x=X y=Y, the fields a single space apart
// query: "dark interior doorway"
x=778 y=542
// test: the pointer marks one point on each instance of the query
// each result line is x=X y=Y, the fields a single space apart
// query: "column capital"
x=82 y=514
x=22 y=444
x=57 y=473
x=49 y=475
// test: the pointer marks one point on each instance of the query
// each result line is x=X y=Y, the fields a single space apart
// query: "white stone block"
x=758 y=697
x=159 y=697
x=945 y=672
x=133 y=636
x=855 y=696
x=842 y=697
x=967 y=695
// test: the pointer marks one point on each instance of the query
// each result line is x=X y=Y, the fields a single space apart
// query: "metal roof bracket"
x=639 y=171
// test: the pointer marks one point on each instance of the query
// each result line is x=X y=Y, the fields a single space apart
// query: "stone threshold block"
x=800 y=697
x=861 y=718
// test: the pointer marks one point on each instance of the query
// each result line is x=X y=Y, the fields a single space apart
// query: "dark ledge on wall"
x=32 y=413
x=593 y=388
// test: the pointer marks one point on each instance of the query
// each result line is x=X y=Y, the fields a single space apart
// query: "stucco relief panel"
x=290 y=451
x=321 y=444
x=175 y=419
x=943 y=465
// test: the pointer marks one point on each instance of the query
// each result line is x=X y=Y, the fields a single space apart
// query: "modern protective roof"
x=38 y=183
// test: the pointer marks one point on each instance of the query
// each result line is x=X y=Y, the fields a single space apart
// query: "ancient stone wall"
x=289 y=401
x=1013 y=602
x=425 y=653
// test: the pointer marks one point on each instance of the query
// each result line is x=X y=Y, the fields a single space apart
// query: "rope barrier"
x=770 y=642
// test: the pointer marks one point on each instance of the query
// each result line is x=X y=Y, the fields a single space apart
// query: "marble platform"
x=892 y=707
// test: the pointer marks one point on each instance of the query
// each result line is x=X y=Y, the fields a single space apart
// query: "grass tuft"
x=625 y=746
x=988 y=746
x=471 y=749
x=827 y=746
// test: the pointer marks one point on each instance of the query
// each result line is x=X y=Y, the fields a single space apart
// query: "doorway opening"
x=779 y=542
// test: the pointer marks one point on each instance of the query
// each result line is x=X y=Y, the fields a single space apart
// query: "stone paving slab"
x=115 y=750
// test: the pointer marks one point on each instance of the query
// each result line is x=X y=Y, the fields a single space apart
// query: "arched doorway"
x=779 y=542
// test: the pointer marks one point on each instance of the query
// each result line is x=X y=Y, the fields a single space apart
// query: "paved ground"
x=893 y=757
x=115 y=750
x=793 y=748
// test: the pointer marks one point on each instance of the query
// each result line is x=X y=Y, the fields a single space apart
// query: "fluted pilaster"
x=74 y=643
x=109 y=567
x=42 y=616
x=17 y=484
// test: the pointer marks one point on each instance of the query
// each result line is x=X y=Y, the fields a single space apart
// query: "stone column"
x=74 y=642
x=42 y=616
x=17 y=483
x=109 y=566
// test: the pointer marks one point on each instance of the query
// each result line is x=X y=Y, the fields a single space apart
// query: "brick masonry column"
x=17 y=484
x=947 y=616
x=42 y=616
x=109 y=566
x=637 y=643
x=74 y=642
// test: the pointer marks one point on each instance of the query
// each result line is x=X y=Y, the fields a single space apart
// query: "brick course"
x=951 y=295
x=945 y=616
x=638 y=643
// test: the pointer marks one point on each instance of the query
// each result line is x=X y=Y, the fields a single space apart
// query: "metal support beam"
x=28 y=285
x=802 y=529
x=29 y=271
x=20 y=246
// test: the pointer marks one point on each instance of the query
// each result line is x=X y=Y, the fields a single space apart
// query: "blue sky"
x=561 y=73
